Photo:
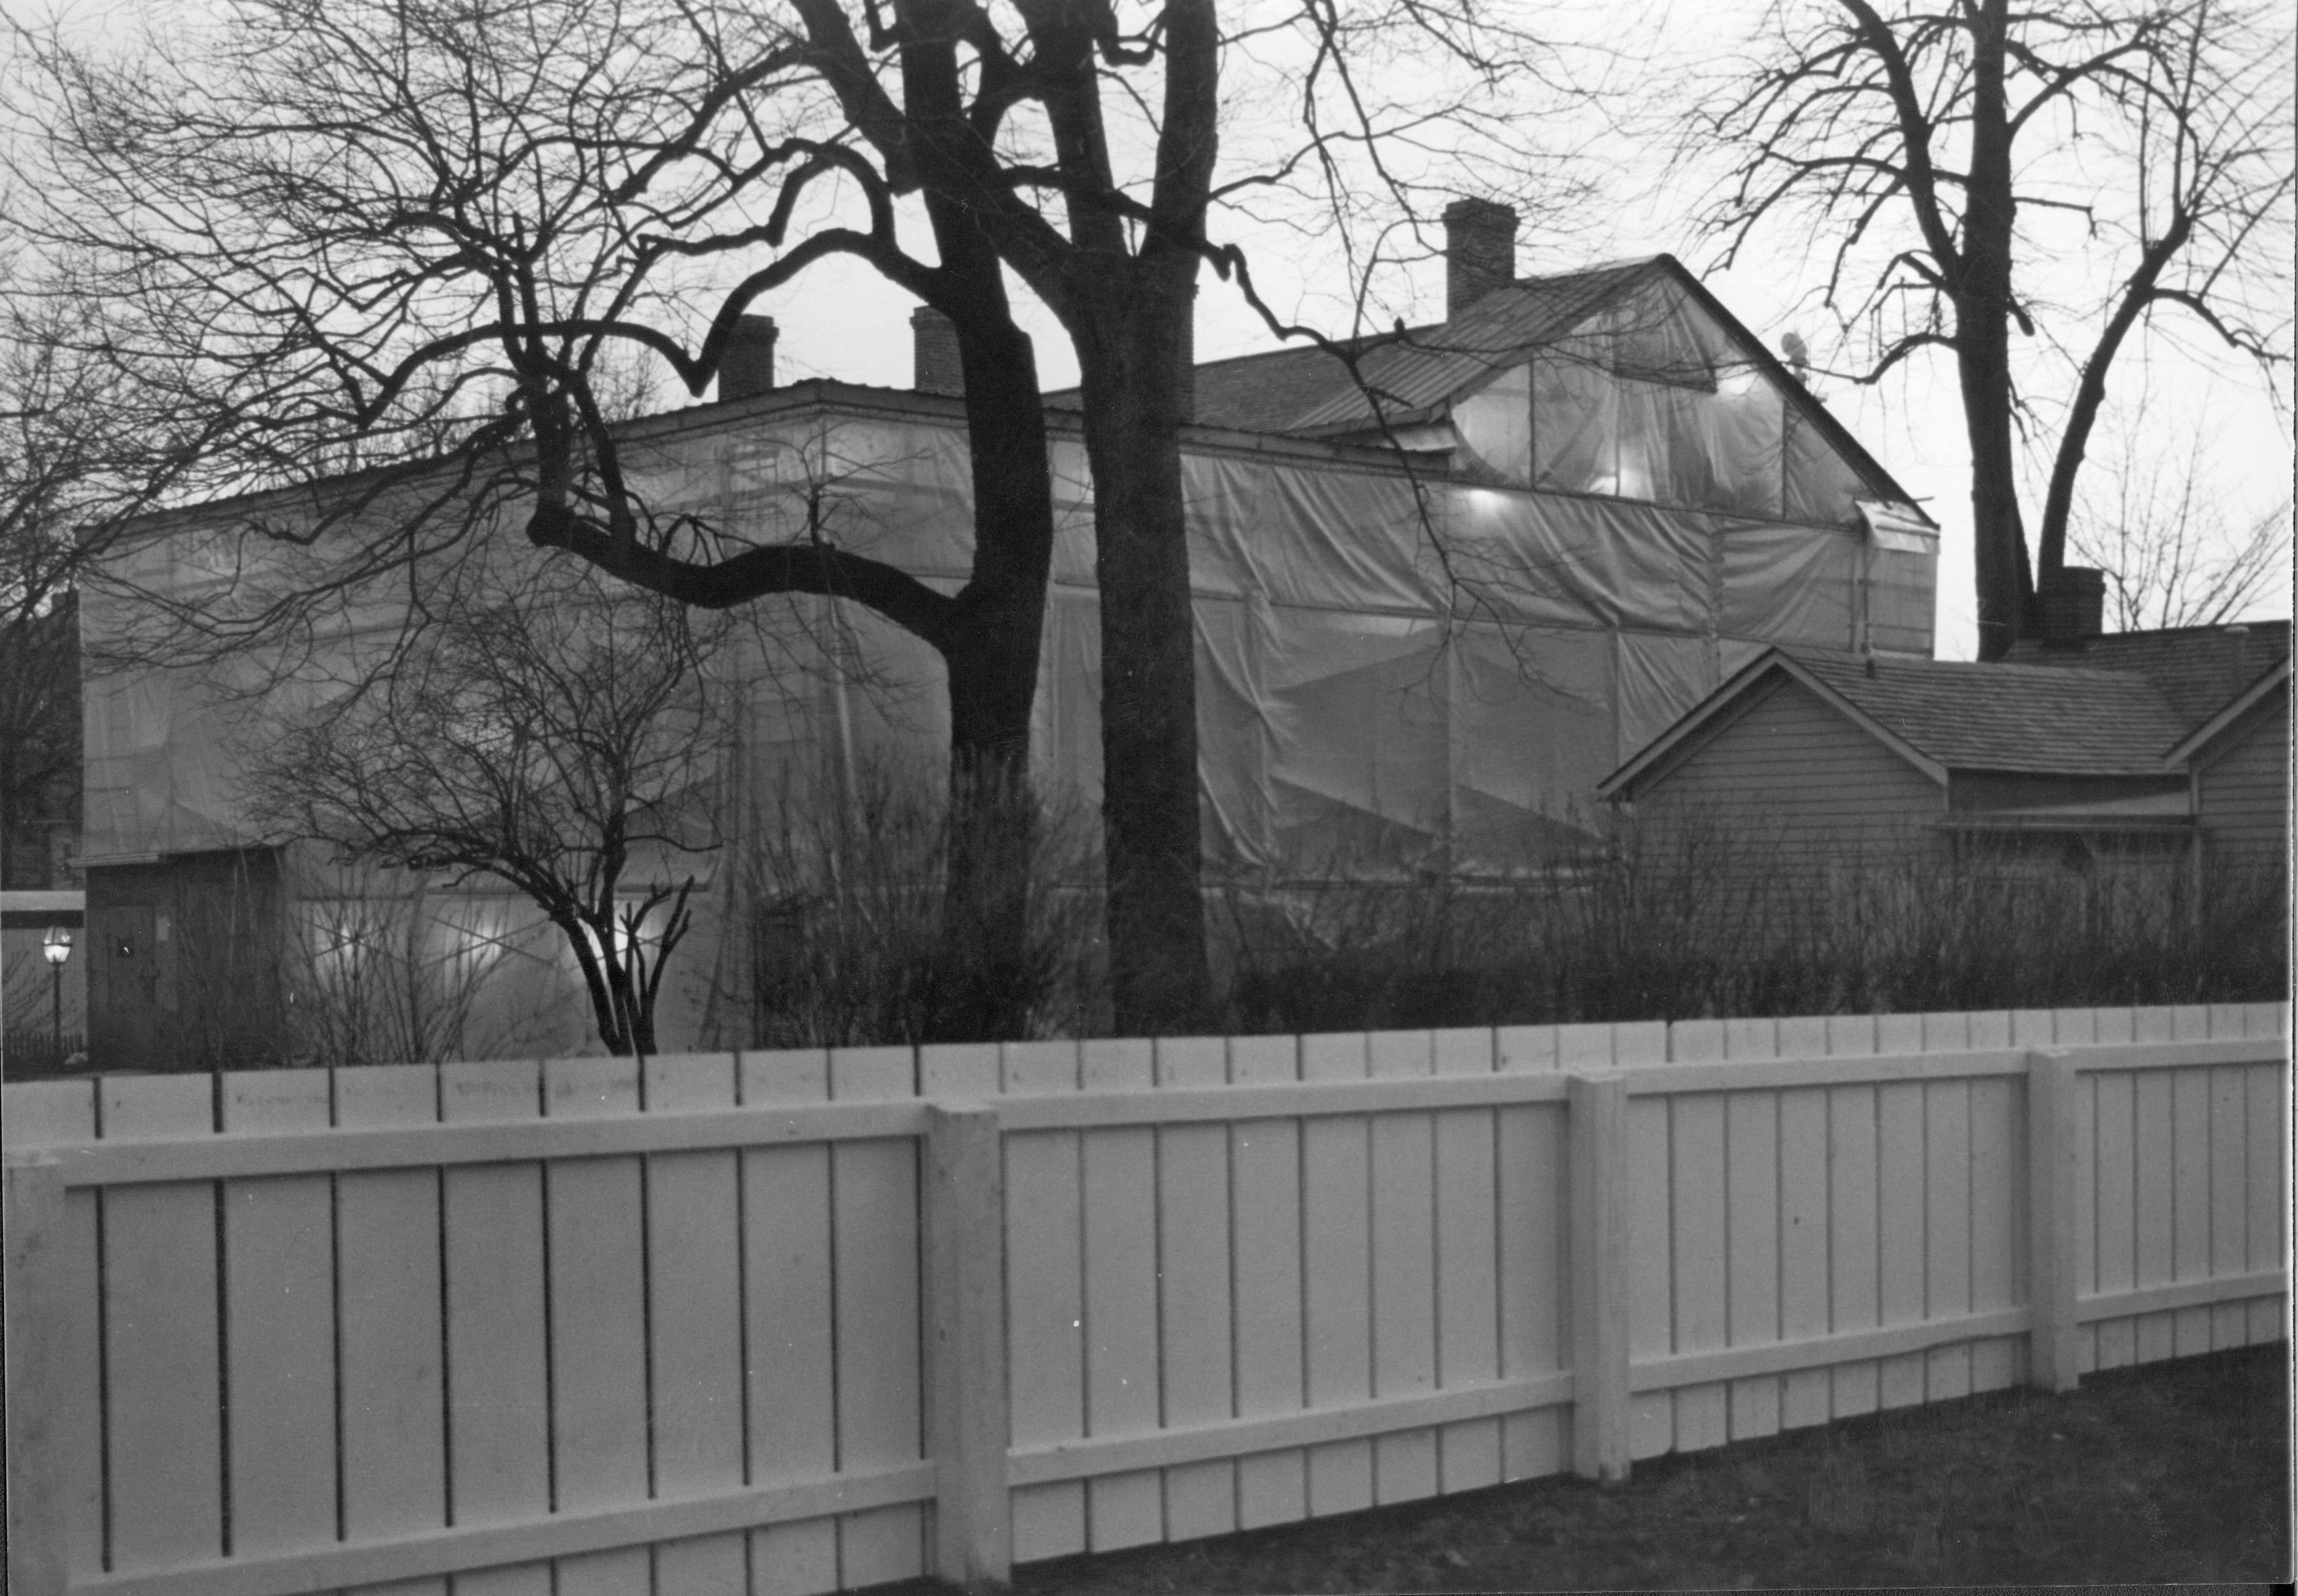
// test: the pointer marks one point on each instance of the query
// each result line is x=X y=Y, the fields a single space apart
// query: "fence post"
x=1598 y=1107
x=2053 y=1220
x=970 y=1426
x=35 y=1224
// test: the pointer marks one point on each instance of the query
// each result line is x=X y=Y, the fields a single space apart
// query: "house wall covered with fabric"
x=1397 y=668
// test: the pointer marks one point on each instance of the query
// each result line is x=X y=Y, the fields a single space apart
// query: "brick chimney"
x=935 y=364
x=2237 y=646
x=1479 y=251
x=747 y=366
x=2073 y=602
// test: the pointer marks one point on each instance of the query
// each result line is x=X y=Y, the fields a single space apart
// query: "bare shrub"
x=382 y=969
x=1716 y=921
x=851 y=942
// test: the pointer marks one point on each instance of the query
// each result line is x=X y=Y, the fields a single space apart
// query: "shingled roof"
x=2005 y=716
x=1307 y=388
x=2051 y=720
x=1417 y=371
x=2198 y=669
x=1420 y=368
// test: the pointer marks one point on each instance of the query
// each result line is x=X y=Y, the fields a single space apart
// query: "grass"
x=2174 y=1472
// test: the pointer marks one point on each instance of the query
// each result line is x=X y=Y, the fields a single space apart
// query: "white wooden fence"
x=797 y=1322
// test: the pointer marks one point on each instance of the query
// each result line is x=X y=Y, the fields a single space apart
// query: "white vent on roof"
x=1901 y=528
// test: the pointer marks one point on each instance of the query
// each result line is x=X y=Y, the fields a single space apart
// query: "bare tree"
x=556 y=733
x=2159 y=526
x=405 y=234
x=407 y=240
x=2070 y=173
x=1081 y=143
x=83 y=451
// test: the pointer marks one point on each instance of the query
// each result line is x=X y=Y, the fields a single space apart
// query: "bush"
x=848 y=941
x=1719 y=924
x=849 y=946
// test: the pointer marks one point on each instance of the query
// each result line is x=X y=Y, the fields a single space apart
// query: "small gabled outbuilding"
x=2165 y=748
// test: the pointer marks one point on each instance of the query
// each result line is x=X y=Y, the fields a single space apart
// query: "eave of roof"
x=2241 y=705
x=1659 y=755
x=1944 y=716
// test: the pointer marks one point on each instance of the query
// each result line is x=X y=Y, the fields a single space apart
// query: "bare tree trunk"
x=983 y=987
x=1984 y=308
x=1159 y=980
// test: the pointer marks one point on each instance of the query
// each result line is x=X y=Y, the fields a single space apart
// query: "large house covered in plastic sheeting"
x=1438 y=598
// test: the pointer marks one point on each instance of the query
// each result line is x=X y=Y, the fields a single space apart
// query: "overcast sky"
x=842 y=321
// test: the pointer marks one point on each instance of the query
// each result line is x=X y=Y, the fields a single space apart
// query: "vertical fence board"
x=498 y=1412
x=2190 y=1201
x=1900 y=1167
x=1752 y=1249
x=1265 y=1219
x=1701 y=1257
x=1857 y=1036
x=160 y=1357
x=1998 y=1137
x=592 y=1217
x=2229 y=1229
x=964 y=1070
x=1934 y=1033
x=1946 y=1228
x=1803 y=1393
x=1853 y=1262
x=1118 y=1167
x=1596 y=1114
x=1530 y=1172
x=1196 y=1373
x=1651 y=1302
x=2268 y=1118
x=1403 y=1176
x=1584 y=1047
x=38 y=1393
x=791 y=1324
x=2086 y=1088
x=1702 y=1041
x=694 y=1256
x=1467 y=1284
x=279 y=1318
x=2152 y=1186
x=1518 y=1049
x=392 y=1323
x=969 y=1409
x=1336 y=1253
x=1799 y=1036
x=1045 y=1312
x=64 y=1110
x=2115 y=1205
x=874 y=1266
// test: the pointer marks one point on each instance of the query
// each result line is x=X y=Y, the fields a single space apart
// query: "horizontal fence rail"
x=736 y=1322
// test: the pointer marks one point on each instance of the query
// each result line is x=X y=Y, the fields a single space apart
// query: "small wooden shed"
x=2155 y=748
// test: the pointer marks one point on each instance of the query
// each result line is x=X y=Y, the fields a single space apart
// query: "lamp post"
x=56 y=948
